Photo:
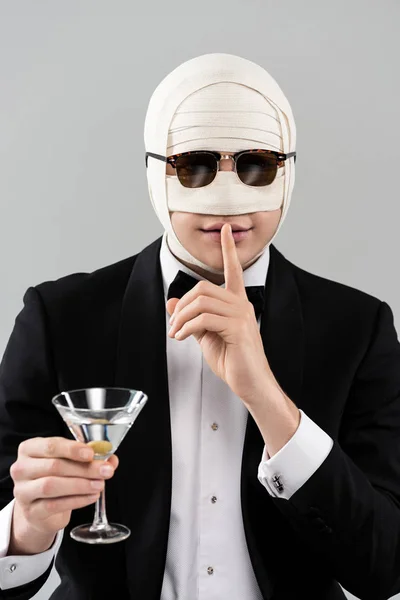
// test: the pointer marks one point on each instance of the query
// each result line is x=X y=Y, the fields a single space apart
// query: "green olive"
x=100 y=446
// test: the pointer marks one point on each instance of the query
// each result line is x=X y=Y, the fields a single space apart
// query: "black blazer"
x=333 y=349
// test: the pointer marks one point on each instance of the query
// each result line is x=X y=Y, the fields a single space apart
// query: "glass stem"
x=100 y=518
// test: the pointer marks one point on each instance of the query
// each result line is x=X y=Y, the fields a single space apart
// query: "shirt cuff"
x=285 y=472
x=21 y=569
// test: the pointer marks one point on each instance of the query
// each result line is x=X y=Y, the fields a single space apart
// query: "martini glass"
x=100 y=418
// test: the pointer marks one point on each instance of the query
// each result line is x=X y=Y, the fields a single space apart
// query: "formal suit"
x=335 y=352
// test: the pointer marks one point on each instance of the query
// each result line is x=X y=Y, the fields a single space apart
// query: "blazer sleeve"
x=349 y=509
x=27 y=384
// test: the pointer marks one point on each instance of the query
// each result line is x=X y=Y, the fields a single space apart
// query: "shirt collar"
x=256 y=274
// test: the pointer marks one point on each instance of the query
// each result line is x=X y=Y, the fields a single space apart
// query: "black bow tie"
x=184 y=282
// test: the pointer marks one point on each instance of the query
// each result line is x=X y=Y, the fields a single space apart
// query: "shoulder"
x=81 y=288
x=324 y=296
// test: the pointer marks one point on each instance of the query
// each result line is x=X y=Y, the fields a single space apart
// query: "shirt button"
x=214 y=426
x=210 y=570
x=12 y=568
x=214 y=499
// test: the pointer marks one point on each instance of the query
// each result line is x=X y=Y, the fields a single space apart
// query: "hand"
x=223 y=322
x=51 y=479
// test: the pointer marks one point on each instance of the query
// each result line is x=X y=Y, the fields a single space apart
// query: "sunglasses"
x=199 y=168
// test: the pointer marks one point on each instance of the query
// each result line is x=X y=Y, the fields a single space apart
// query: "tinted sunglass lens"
x=257 y=169
x=196 y=170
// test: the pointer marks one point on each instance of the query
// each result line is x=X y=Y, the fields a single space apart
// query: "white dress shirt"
x=207 y=556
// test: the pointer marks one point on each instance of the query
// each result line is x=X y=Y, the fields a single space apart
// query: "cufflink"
x=277 y=483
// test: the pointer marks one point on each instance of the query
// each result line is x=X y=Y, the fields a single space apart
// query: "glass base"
x=114 y=532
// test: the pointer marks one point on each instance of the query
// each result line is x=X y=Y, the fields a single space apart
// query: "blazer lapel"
x=145 y=470
x=282 y=328
x=283 y=339
x=144 y=475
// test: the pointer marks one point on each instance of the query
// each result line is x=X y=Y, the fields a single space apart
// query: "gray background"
x=75 y=80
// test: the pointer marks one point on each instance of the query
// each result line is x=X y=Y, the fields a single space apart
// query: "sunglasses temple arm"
x=158 y=156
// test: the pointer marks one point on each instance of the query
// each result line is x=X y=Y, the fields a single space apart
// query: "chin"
x=213 y=258
x=214 y=264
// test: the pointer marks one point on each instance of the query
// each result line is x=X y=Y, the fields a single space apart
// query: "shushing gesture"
x=224 y=323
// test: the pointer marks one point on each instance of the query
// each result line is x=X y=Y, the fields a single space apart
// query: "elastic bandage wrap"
x=217 y=102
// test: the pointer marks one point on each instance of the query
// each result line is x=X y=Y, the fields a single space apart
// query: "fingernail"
x=106 y=470
x=172 y=319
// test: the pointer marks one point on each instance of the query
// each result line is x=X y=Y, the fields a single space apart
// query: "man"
x=265 y=463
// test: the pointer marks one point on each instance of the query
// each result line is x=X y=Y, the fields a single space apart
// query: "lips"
x=215 y=235
x=218 y=227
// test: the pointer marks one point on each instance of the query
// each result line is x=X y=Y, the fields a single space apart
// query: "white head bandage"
x=217 y=102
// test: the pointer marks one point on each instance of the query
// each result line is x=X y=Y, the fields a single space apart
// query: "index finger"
x=55 y=447
x=233 y=271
